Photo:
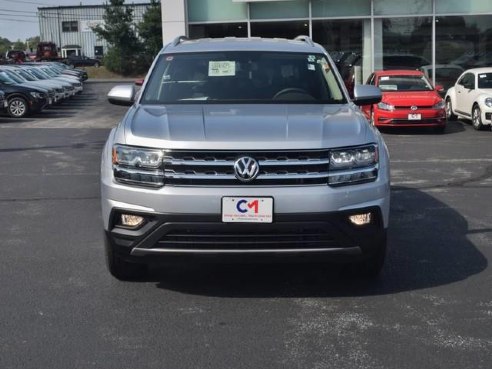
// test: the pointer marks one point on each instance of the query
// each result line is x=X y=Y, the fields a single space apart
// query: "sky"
x=19 y=20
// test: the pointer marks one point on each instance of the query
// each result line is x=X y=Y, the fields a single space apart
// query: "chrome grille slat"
x=308 y=167
x=271 y=176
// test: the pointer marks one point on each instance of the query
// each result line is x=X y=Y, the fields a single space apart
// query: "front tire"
x=449 y=110
x=477 y=118
x=120 y=268
x=18 y=107
x=373 y=263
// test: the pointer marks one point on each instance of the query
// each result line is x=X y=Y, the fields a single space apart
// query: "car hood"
x=420 y=98
x=245 y=127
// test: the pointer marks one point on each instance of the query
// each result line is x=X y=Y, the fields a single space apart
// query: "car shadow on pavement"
x=428 y=246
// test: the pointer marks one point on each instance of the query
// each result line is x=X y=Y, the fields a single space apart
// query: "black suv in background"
x=82 y=61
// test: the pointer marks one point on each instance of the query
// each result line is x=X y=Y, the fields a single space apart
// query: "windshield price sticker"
x=221 y=68
x=247 y=209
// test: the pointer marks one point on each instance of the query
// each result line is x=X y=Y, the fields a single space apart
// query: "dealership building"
x=372 y=34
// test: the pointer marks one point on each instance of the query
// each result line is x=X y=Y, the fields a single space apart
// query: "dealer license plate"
x=247 y=209
x=414 y=116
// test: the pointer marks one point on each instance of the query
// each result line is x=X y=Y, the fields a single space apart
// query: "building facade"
x=70 y=27
x=441 y=36
x=449 y=35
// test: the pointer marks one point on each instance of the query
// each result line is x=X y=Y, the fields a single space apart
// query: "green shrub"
x=129 y=65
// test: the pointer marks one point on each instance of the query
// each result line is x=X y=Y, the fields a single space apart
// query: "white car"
x=471 y=98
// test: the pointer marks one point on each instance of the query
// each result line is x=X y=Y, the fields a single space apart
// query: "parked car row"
x=29 y=88
x=410 y=100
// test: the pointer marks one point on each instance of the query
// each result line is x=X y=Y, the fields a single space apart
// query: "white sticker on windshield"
x=311 y=58
x=311 y=67
x=482 y=76
x=221 y=68
x=384 y=78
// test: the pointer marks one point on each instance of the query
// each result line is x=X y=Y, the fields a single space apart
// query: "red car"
x=409 y=100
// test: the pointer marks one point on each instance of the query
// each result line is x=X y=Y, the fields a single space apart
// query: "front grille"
x=220 y=236
x=416 y=122
x=217 y=168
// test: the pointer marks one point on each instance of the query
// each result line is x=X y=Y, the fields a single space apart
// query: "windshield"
x=38 y=73
x=404 y=83
x=27 y=75
x=15 y=77
x=6 y=79
x=485 y=80
x=242 y=77
x=48 y=72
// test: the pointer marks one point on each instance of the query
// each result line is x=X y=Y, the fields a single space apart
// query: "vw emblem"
x=246 y=168
x=413 y=107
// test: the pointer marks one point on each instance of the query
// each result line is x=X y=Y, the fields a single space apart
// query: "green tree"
x=32 y=43
x=150 y=29
x=119 y=31
x=5 y=45
x=19 y=45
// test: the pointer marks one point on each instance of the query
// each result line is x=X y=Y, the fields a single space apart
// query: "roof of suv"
x=299 y=44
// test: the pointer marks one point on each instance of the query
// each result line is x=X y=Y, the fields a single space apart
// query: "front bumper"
x=400 y=118
x=309 y=237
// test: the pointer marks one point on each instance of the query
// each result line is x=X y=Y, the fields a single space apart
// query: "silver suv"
x=244 y=148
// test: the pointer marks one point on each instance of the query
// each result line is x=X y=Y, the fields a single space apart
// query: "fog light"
x=133 y=221
x=360 y=219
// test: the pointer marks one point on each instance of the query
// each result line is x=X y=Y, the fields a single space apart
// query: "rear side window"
x=485 y=80
x=242 y=77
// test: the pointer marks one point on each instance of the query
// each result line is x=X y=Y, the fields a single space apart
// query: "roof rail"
x=305 y=38
x=178 y=40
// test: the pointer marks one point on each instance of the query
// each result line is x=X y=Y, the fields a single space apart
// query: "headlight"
x=488 y=102
x=139 y=166
x=384 y=106
x=440 y=105
x=37 y=95
x=353 y=165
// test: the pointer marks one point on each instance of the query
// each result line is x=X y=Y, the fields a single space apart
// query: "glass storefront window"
x=279 y=29
x=218 y=30
x=402 y=7
x=339 y=35
x=461 y=6
x=343 y=41
x=347 y=8
x=406 y=43
x=465 y=41
x=279 y=10
x=216 y=10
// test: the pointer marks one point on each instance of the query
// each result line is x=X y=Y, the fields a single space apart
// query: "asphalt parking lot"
x=431 y=307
